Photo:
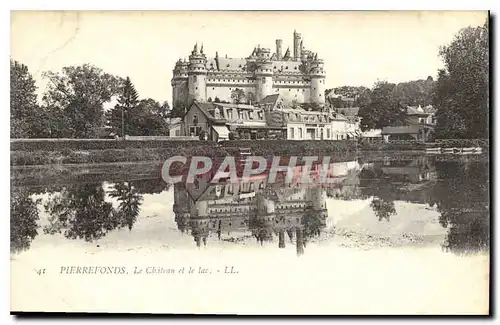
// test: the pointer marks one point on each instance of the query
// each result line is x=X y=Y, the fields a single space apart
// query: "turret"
x=264 y=73
x=317 y=75
x=279 y=53
x=180 y=81
x=287 y=56
x=197 y=74
x=297 y=46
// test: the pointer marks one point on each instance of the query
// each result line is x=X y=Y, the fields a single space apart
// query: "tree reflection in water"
x=23 y=220
x=459 y=191
x=129 y=202
x=383 y=209
x=80 y=211
x=462 y=198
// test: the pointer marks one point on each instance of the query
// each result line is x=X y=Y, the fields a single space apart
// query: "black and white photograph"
x=250 y=162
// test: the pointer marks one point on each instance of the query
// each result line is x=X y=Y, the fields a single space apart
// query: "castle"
x=297 y=76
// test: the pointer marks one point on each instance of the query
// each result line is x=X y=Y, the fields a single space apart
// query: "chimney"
x=279 y=53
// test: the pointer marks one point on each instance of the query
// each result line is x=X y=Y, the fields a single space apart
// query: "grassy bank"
x=28 y=153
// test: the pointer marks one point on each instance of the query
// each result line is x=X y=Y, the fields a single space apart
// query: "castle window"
x=195 y=119
x=286 y=67
x=213 y=88
x=196 y=87
x=274 y=67
x=319 y=95
x=194 y=78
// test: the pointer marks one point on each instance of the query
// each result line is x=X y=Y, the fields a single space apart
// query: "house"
x=175 y=127
x=218 y=120
x=407 y=132
x=271 y=118
x=250 y=121
x=421 y=122
x=372 y=135
x=205 y=117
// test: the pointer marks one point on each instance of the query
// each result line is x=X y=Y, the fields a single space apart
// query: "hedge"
x=266 y=148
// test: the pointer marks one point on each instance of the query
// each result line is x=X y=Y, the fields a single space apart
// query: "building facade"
x=420 y=125
x=297 y=76
x=271 y=118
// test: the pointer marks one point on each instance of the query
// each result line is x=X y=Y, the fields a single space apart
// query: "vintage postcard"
x=250 y=162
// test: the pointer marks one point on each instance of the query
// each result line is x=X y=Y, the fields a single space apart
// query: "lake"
x=417 y=229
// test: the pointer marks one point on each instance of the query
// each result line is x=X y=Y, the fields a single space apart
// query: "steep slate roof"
x=241 y=106
x=417 y=110
x=349 y=111
x=235 y=64
x=271 y=99
x=175 y=120
x=411 y=129
x=206 y=109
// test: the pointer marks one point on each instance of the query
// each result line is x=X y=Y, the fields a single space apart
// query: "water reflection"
x=264 y=209
x=23 y=220
x=282 y=214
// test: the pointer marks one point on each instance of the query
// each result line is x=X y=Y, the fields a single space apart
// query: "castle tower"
x=279 y=49
x=317 y=75
x=264 y=74
x=317 y=198
x=180 y=82
x=197 y=74
x=297 y=46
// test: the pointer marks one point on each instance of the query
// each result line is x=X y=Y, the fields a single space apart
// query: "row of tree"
x=460 y=95
x=77 y=211
x=72 y=106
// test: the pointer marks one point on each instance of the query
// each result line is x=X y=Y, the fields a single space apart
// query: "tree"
x=178 y=110
x=23 y=220
x=462 y=90
x=382 y=109
x=311 y=106
x=148 y=119
x=250 y=98
x=238 y=95
x=23 y=102
x=76 y=96
x=120 y=118
x=414 y=93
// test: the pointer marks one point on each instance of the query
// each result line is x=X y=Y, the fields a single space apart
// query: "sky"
x=358 y=47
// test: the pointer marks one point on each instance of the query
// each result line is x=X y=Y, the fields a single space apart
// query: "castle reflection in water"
x=267 y=210
x=457 y=188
